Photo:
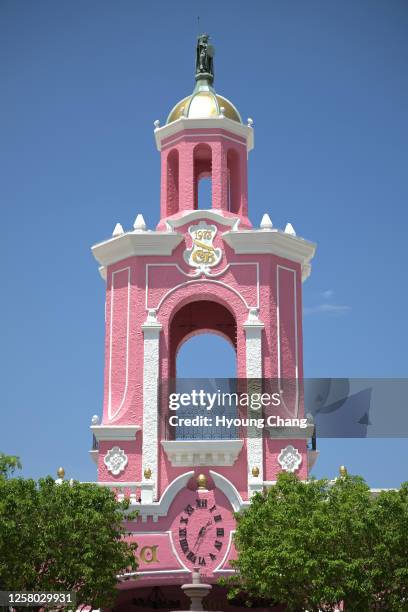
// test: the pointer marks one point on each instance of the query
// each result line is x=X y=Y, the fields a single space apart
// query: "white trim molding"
x=195 y=215
x=253 y=340
x=103 y=272
x=135 y=243
x=222 y=123
x=151 y=347
x=161 y=508
x=295 y=374
x=183 y=453
x=273 y=242
x=229 y=490
x=115 y=432
x=194 y=278
x=114 y=410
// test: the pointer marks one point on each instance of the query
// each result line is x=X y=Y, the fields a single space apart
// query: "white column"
x=253 y=331
x=151 y=345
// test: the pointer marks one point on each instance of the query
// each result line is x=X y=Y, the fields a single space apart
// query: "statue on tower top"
x=205 y=58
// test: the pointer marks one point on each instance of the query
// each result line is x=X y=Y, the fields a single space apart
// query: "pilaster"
x=151 y=352
x=253 y=327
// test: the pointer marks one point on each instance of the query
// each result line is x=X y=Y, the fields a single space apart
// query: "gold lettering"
x=201 y=256
x=148 y=554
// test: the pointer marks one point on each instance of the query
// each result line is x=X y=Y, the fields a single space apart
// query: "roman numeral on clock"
x=183 y=533
x=201 y=503
x=217 y=518
x=201 y=561
x=213 y=508
x=191 y=557
x=220 y=532
x=189 y=510
x=213 y=557
x=183 y=520
x=218 y=544
x=184 y=545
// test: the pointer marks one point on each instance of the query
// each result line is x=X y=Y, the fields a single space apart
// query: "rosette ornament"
x=116 y=460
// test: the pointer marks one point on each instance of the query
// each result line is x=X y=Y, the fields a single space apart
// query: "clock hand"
x=201 y=534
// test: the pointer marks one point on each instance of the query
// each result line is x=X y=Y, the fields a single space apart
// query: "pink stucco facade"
x=157 y=297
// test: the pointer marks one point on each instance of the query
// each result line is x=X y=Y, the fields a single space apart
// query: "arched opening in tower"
x=202 y=176
x=203 y=356
x=206 y=355
x=173 y=182
x=233 y=181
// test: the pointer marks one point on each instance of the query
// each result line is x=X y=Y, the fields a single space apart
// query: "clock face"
x=202 y=530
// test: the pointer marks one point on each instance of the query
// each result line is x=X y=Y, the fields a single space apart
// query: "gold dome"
x=203 y=105
x=204 y=102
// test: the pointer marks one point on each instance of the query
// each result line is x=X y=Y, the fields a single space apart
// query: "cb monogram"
x=202 y=254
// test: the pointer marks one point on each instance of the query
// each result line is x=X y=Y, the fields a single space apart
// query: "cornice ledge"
x=290 y=433
x=115 y=432
x=161 y=507
x=222 y=123
x=212 y=214
x=312 y=457
x=135 y=243
x=246 y=242
x=183 y=453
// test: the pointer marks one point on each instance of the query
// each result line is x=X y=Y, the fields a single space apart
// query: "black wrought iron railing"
x=95 y=443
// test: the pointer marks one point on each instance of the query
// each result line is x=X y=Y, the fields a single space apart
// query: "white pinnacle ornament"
x=289 y=229
x=118 y=230
x=266 y=222
x=139 y=224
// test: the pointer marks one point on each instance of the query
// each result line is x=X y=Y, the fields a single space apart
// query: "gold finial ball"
x=60 y=472
x=202 y=482
x=147 y=473
x=255 y=471
x=343 y=471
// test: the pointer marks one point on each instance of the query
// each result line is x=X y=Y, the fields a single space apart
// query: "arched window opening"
x=202 y=177
x=173 y=182
x=204 y=198
x=206 y=362
x=206 y=355
x=233 y=181
x=203 y=356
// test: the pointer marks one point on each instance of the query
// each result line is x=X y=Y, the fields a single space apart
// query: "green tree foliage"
x=388 y=563
x=66 y=537
x=8 y=465
x=311 y=545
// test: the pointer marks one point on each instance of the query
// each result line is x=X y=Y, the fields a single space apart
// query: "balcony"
x=190 y=453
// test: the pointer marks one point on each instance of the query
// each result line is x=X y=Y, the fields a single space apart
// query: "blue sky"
x=81 y=84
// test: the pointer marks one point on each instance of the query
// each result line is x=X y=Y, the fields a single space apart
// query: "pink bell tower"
x=198 y=271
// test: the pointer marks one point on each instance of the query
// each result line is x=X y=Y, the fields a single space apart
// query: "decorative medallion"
x=115 y=460
x=289 y=458
x=202 y=254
